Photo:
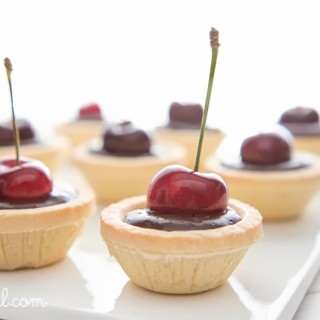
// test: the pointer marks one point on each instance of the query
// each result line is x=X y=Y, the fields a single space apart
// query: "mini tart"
x=178 y=262
x=278 y=195
x=114 y=178
x=52 y=154
x=80 y=131
x=189 y=139
x=33 y=238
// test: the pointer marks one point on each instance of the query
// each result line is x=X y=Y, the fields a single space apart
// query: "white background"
x=135 y=57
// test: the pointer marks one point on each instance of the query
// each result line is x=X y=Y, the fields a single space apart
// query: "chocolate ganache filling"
x=58 y=195
x=124 y=140
x=26 y=133
x=146 y=218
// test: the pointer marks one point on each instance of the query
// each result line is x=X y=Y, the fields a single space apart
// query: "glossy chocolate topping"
x=185 y=116
x=125 y=139
x=297 y=162
x=26 y=133
x=57 y=196
x=146 y=218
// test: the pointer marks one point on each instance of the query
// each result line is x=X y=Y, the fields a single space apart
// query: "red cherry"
x=27 y=181
x=125 y=138
x=26 y=132
x=178 y=189
x=268 y=147
x=186 y=113
x=299 y=115
x=90 y=111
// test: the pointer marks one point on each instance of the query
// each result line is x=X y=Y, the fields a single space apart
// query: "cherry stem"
x=8 y=65
x=214 y=42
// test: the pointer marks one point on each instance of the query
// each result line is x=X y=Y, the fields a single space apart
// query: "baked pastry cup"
x=178 y=262
x=189 y=139
x=278 y=195
x=37 y=237
x=52 y=153
x=80 y=131
x=308 y=143
x=114 y=178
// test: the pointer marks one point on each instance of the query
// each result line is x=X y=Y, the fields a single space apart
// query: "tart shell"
x=52 y=154
x=81 y=130
x=178 y=262
x=32 y=238
x=189 y=140
x=278 y=195
x=308 y=143
x=114 y=178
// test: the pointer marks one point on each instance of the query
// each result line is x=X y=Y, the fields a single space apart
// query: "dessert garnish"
x=267 y=150
x=268 y=147
x=124 y=139
x=301 y=121
x=299 y=115
x=185 y=116
x=26 y=132
x=22 y=179
x=185 y=192
x=20 y=129
x=50 y=151
x=90 y=111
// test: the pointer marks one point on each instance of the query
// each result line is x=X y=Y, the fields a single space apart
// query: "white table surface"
x=309 y=308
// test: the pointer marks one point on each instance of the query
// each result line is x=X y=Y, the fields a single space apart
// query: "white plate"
x=89 y=284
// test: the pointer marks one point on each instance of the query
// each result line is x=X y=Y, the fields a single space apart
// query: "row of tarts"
x=279 y=189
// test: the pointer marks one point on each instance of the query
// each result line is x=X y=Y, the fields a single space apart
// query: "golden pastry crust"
x=52 y=154
x=307 y=143
x=276 y=194
x=241 y=234
x=114 y=178
x=81 y=130
x=189 y=139
x=32 y=238
x=178 y=262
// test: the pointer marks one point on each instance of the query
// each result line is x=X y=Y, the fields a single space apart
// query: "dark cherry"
x=125 y=138
x=30 y=180
x=26 y=132
x=299 y=115
x=185 y=113
x=177 y=189
x=269 y=147
x=91 y=111
x=21 y=179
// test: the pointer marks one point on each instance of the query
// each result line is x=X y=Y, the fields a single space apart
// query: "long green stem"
x=8 y=66
x=215 y=45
